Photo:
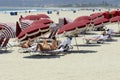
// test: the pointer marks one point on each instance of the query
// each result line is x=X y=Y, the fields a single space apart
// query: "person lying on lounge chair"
x=98 y=38
x=111 y=32
x=27 y=44
x=46 y=46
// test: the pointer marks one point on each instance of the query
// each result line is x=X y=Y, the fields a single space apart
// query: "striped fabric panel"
x=7 y=31
x=25 y=23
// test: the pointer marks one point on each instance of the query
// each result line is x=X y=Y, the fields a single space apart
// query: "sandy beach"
x=90 y=62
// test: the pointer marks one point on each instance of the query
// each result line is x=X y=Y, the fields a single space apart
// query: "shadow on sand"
x=90 y=34
x=116 y=35
x=38 y=56
x=82 y=51
x=5 y=51
x=88 y=45
x=113 y=40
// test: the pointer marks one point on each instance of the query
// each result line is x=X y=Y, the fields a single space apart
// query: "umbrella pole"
x=76 y=44
x=118 y=26
x=83 y=37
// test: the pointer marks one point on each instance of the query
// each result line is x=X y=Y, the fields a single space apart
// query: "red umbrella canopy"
x=34 y=17
x=71 y=26
x=84 y=21
x=106 y=14
x=31 y=17
x=114 y=13
x=100 y=21
x=42 y=16
x=82 y=18
x=44 y=21
x=95 y=15
x=35 y=29
x=115 y=19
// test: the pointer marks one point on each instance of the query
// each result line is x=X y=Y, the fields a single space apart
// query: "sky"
x=51 y=2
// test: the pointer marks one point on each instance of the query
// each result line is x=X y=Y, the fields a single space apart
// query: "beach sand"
x=90 y=62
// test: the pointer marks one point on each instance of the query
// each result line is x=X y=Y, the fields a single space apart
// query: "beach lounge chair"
x=97 y=39
x=62 y=48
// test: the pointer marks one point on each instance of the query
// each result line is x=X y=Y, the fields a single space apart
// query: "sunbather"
x=109 y=32
x=46 y=46
x=97 y=38
x=27 y=44
x=66 y=42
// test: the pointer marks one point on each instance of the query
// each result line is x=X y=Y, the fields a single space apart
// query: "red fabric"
x=83 y=21
x=115 y=19
x=114 y=13
x=44 y=21
x=32 y=28
x=106 y=14
x=100 y=20
x=35 y=17
x=71 y=26
x=95 y=15
x=82 y=18
x=31 y=17
x=18 y=29
x=43 y=16
x=1 y=27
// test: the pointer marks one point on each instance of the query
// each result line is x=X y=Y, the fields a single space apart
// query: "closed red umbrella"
x=71 y=28
x=42 y=16
x=34 y=30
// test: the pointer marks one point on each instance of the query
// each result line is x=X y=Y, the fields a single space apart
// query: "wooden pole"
x=118 y=26
x=76 y=44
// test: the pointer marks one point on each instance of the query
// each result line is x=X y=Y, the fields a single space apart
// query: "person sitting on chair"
x=65 y=43
x=46 y=46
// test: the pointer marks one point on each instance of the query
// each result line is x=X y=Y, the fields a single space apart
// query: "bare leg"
x=39 y=47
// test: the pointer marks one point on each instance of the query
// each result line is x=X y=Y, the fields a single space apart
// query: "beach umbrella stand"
x=76 y=43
